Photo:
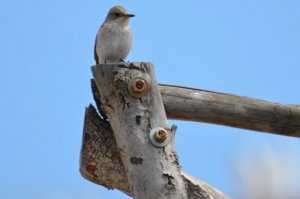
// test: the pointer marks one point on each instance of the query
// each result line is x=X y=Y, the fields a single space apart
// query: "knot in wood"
x=139 y=85
x=160 y=135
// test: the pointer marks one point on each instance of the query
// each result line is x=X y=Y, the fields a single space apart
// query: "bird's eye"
x=117 y=14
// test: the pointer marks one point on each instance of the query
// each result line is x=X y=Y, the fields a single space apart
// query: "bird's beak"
x=129 y=15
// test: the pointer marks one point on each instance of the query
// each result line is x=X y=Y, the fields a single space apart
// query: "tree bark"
x=152 y=172
x=100 y=161
x=190 y=104
x=129 y=162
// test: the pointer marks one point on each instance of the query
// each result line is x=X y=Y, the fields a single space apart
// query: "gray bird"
x=114 y=38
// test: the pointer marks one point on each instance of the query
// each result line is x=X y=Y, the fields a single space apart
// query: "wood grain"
x=152 y=172
x=182 y=103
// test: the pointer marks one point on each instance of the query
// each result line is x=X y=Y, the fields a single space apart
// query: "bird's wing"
x=95 y=52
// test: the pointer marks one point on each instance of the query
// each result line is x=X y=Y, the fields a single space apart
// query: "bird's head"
x=118 y=14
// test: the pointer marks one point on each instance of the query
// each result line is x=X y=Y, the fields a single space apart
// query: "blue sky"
x=248 y=48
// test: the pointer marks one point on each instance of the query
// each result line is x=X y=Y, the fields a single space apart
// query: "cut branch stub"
x=138 y=87
x=132 y=119
x=159 y=137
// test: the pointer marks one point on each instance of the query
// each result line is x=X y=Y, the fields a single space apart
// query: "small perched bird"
x=114 y=38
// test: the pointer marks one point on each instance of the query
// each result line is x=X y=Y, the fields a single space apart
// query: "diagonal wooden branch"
x=100 y=161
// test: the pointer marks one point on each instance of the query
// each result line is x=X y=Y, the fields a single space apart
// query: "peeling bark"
x=106 y=168
x=145 y=164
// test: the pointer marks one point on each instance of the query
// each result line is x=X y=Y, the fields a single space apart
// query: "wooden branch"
x=131 y=99
x=231 y=110
x=100 y=161
x=182 y=103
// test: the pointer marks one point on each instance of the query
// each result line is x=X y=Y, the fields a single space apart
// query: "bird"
x=114 y=37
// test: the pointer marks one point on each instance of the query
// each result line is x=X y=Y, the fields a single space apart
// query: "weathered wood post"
x=134 y=151
x=132 y=101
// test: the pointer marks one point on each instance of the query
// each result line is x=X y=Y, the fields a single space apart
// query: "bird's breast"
x=114 y=42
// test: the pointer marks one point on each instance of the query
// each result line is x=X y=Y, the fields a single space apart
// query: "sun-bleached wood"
x=190 y=104
x=100 y=161
x=182 y=103
x=152 y=172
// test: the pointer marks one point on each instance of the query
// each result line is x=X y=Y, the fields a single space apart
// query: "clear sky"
x=249 y=48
